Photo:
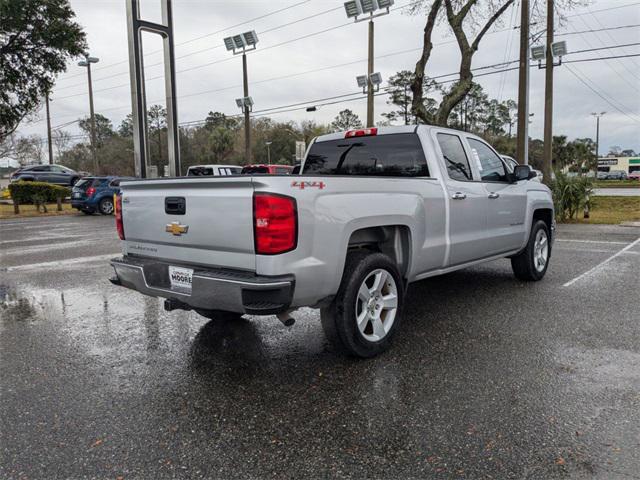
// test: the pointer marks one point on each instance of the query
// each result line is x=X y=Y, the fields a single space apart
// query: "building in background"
x=625 y=164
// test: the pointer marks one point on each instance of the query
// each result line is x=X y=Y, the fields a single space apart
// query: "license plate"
x=180 y=279
x=76 y=195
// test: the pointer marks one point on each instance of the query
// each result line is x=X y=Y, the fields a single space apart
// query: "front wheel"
x=531 y=264
x=366 y=312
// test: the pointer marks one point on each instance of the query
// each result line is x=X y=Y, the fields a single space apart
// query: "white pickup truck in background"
x=372 y=211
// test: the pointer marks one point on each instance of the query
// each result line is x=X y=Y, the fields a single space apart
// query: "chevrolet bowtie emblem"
x=176 y=229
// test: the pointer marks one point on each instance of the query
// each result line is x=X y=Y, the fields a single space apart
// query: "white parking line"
x=593 y=250
x=591 y=270
x=569 y=240
x=62 y=263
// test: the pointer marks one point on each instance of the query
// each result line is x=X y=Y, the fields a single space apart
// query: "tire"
x=531 y=264
x=367 y=280
x=105 y=207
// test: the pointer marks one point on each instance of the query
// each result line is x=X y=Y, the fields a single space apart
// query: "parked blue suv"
x=95 y=194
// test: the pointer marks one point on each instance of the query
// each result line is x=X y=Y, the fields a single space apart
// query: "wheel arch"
x=392 y=240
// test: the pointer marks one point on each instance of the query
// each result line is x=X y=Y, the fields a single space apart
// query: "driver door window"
x=491 y=166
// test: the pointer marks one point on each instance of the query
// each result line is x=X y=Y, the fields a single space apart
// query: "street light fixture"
x=353 y=9
x=558 y=50
x=245 y=103
x=374 y=79
x=241 y=44
x=88 y=60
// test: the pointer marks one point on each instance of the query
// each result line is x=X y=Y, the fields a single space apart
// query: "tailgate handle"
x=175 y=205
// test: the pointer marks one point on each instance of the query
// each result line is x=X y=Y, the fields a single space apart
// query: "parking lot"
x=489 y=378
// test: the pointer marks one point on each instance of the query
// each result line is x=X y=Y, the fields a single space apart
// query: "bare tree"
x=469 y=21
x=29 y=150
x=61 y=142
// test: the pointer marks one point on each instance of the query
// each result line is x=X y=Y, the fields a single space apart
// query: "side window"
x=491 y=167
x=115 y=183
x=40 y=168
x=100 y=182
x=455 y=157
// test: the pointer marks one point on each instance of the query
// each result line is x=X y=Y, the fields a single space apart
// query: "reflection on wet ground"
x=490 y=379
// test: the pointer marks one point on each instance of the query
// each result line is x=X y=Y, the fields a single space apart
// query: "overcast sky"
x=209 y=77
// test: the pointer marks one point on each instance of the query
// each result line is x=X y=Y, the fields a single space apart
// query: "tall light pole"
x=598 y=115
x=268 y=144
x=87 y=63
x=547 y=161
x=241 y=44
x=46 y=99
x=354 y=8
x=522 y=135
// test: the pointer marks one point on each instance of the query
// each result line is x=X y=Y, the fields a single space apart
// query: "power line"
x=260 y=17
x=208 y=49
x=613 y=69
x=591 y=30
x=391 y=54
x=630 y=55
x=584 y=82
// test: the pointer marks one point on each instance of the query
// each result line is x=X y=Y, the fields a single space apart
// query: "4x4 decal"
x=303 y=185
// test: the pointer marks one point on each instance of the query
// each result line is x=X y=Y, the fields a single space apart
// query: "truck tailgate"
x=215 y=229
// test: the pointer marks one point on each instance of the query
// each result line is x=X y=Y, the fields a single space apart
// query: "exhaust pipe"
x=286 y=318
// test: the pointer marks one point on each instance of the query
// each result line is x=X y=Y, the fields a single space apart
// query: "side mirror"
x=523 y=172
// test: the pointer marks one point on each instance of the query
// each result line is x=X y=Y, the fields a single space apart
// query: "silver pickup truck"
x=371 y=211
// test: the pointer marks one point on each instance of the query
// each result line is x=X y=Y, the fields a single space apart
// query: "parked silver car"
x=371 y=211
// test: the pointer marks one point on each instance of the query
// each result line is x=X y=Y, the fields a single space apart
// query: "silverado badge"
x=176 y=229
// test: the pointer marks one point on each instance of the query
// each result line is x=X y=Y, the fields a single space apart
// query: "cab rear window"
x=250 y=170
x=199 y=171
x=397 y=155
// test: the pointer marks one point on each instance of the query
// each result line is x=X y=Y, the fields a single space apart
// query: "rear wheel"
x=365 y=314
x=106 y=206
x=531 y=264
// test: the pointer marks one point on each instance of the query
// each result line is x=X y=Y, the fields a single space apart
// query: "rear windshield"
x=199 y=171
x=397 y=155
x=83 y=183
x=250 y=170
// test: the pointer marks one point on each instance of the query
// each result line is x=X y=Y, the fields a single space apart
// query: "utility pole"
x=46 y=98
x=547 y=162
x=87 y=63
x=598 y=115
x=522 y=149
x=369 y=72
x=268 y=144
x=247 y=119
x=406 y=105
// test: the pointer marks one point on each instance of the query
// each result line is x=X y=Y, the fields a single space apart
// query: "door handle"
x=458 y=196
x=494 y=195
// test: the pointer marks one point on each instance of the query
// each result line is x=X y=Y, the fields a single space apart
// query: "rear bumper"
x=212 y=289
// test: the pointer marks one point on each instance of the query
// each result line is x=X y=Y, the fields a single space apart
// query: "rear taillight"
x=365 y=132
x=118 y=214
x=90 y=191
x=275 y=223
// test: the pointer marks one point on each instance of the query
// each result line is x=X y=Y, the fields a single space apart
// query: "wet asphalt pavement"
x=489 y=377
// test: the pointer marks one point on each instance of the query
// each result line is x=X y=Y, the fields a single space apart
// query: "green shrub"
x=26 y=192
x=570 y=195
